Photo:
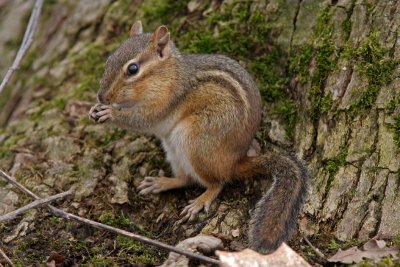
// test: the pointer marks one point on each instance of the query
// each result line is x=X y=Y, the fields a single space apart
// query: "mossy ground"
x=81 y=244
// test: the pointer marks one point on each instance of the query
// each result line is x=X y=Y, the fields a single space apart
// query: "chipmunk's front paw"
x=100 y=113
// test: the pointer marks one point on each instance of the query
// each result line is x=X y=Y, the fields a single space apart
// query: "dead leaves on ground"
x=284 y=256
x=54 y=259
x=373 y=249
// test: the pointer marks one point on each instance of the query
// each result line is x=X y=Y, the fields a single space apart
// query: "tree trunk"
x=328 y=72
x=350 y=107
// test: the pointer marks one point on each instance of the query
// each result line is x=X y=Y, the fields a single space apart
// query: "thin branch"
x=316 y=250
x=70 y=216
x=26 y=42
x=6 y=258
x=20 y=186
x=34 y=204
x=143 y=239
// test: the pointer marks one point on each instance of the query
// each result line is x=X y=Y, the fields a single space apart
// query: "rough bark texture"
x=336 y=61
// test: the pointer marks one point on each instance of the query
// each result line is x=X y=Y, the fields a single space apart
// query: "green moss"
x=248 y=29
x=322 y=51
x=334 y=245
x=373 y=62
x=396 y=239
x=120 y=16
x=113 y=135
x=325 y=63
x=99 y=260
x=333 y=165
x=8 y=144
x=346 y=24
x=91 y=62
x=164 y=11
x=299 y=63
x=323 y=26
x=59 y=103
x=54 y=219
x=385 y=262
x=30 y=58
x=270 y=82
x=397 y=130
x=12 y=45
x=392 y=105
x=286 y=109
x=80 y=170
x=24 y=255
x=134 y=251
x=118 y=221
x=326 y=103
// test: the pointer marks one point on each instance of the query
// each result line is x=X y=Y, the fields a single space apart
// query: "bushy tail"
x=275 y=215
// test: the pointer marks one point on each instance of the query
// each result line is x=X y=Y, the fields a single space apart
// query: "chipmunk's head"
x=142 y=70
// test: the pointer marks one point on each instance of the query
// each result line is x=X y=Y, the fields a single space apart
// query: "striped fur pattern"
x=206 y=110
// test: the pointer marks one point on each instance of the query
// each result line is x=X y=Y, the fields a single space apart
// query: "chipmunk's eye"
x=133 y=69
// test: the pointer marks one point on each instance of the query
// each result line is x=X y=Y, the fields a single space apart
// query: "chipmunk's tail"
x=275 y=215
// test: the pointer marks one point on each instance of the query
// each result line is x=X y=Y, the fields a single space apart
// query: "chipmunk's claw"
x=100 y=113
x=150 y=185
x=191 y=211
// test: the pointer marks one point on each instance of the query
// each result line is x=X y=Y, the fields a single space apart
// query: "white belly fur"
x=177 y=155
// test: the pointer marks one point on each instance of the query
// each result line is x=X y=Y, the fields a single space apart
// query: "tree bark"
x=351 y=144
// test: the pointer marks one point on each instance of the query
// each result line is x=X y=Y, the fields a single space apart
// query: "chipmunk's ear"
x=161 y=40
x=136 y=28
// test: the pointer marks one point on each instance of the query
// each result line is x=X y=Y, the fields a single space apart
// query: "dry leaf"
x=284 y=256
x=55 y=258
x=373 y=249
x=201 y=243
x=374 y=244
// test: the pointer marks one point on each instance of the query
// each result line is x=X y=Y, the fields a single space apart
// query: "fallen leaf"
x=373 y=249
x=56 y=258
x=202 y=243
x=284 y=256
x=374 y=244
x=350 y=255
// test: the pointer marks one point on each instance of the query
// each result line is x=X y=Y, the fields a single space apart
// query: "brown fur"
x=206 y=110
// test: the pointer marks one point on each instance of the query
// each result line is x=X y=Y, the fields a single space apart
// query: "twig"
x=316 y=250
x=143 y=239
x=20 y=186
x=26 y=42
x=6 y=258
x=70 y=216
x=34 y=204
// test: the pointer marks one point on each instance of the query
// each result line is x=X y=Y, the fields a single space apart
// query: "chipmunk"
x=206 y=111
